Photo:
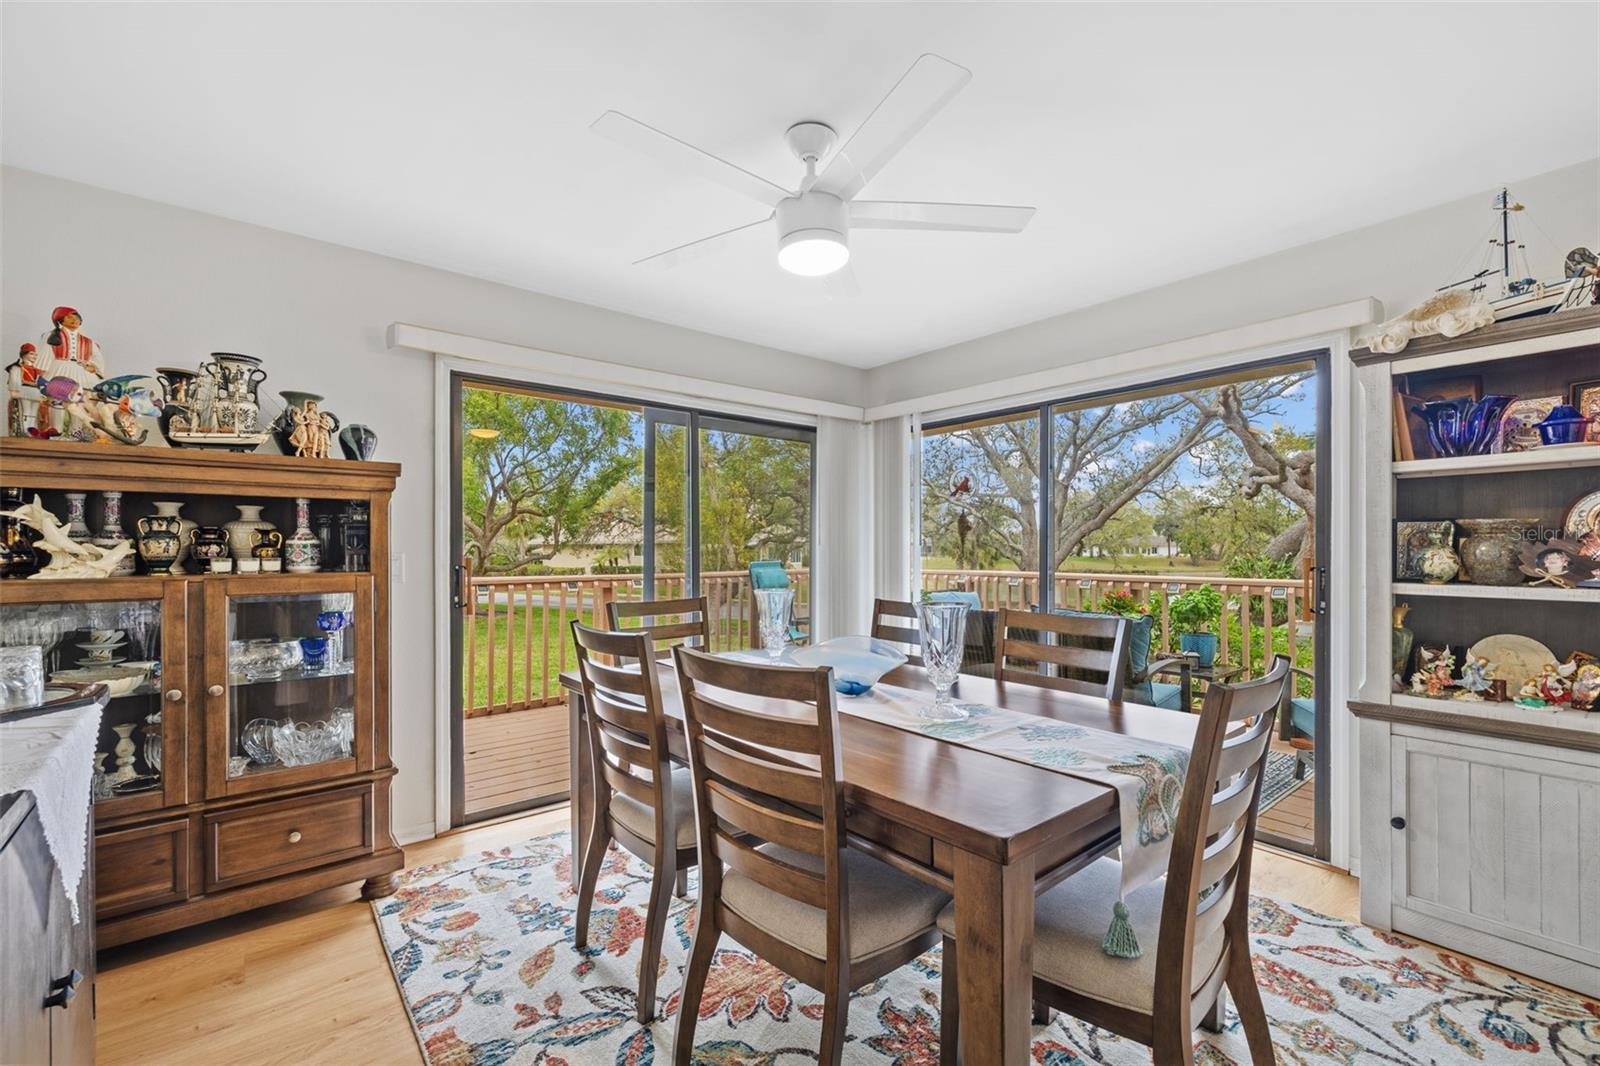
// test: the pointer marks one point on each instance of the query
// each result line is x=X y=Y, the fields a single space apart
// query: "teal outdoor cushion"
x=1303 y=715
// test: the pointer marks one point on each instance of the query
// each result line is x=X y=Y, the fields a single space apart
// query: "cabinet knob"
x=1397 y=822
x=294 y=836
x=174 y=695
x=215 y=690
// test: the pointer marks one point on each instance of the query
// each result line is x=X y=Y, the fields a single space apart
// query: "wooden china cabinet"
x=214 y=824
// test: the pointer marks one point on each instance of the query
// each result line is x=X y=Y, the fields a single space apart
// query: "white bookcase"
x=1480 y=822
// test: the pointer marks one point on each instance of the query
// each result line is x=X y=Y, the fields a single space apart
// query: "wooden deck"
x=515 y=757
x=1294 y=816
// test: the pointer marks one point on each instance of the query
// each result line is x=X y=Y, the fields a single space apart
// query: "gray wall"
x=160 y=285
x=1399 y=261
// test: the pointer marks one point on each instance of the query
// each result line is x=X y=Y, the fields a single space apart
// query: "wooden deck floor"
x=1294 y=816
x=516 y=757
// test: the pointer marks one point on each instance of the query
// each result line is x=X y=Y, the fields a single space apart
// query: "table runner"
x=52 y=756
x=1148 y=775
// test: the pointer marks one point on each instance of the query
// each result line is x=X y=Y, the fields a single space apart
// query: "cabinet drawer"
x=146 y=866
x=268 y=839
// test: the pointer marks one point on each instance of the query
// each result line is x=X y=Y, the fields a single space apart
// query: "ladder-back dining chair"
x=889 y=619
x=775 y=872
x=1197 y=920
x=666 y=622
x=640 y=801
x=1074 y=667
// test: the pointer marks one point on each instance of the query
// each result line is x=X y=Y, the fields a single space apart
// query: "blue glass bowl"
x=1463 y=426
x=1563 y=425
x=858 y=662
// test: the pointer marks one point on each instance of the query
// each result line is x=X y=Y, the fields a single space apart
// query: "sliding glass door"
x=563 y=502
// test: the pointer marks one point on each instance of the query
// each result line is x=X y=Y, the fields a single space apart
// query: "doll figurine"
x=69 y=354
x=1477 y=677
x=22 y=392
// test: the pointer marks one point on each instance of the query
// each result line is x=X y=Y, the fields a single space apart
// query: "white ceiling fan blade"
x=972 y=218
x=842 y=284
x=682 y=156
x=915 y=98
x=683 y=253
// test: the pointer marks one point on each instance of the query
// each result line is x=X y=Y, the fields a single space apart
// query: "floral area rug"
x=482 y=950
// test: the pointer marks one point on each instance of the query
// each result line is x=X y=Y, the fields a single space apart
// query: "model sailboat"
x=1511 y=290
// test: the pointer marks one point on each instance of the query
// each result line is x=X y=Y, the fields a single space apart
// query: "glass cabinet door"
x=133 y=646
x=291 y=678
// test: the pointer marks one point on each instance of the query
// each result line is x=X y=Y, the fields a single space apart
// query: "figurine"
x=68 y=558
x=71 y=355
x=1477 y=677
x=313 y=431
x=1434 y=676
x=1552 y=687
x=22 y=393
x=1586 y=686
x=105 y=411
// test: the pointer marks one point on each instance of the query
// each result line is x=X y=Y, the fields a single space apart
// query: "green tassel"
x=1120 y=941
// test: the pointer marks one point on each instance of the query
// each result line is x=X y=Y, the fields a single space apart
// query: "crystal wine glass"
x=775 y=605
x=944 y=634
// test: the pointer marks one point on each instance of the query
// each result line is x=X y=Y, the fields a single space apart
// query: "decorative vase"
x=266 y=543
x=1439 y=564
x=171 y=509
x=1563 y=425
x=100 y=782
x=238 y=408
x=125 y=748
x=358 y=442
x=207 y=543
x=302 y=552
x=1463 y=426
x=294 y=403
x=158 y=542
x=1400 y=641
x=77 y=528
x=1203 y=646
x=1492 y=552
x=111 y=533
x=241 y=529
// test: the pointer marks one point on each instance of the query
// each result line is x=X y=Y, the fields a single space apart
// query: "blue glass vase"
x=1464 y=426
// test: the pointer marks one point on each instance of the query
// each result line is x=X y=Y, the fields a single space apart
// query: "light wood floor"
x=307 y=981
x=1294 y=816
x=516 y=757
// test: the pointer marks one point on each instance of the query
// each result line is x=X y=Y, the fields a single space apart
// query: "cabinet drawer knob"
x=1397 y=822
x=216 y=690
x=294 y=836
x=174 y=695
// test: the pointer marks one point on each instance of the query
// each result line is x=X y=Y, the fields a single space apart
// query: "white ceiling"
x=1157 y=142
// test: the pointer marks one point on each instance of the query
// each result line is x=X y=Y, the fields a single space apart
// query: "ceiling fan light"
x=812 y=253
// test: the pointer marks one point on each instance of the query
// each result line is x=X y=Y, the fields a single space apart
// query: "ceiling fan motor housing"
x=812 y=216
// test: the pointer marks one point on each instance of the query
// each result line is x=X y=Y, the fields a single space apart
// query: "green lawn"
x=1123 y=564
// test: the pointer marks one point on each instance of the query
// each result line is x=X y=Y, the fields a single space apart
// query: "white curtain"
x=894 y=504
x=842 y=581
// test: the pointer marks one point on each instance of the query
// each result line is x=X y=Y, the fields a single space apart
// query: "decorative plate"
x=1583 y=525
x=1517 y=432
x=1516 y=658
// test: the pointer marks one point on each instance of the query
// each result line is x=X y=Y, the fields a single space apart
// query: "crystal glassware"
x=152 y=742
x=775 y=605
x=944 y=634
x=344 y=719
x=21 y=676
x=256 y=738
x=300 y=744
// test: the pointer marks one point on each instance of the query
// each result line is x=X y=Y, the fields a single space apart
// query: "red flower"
x=909 y=1039
x=1292 y=985
x=419 y=901
x=742 y=985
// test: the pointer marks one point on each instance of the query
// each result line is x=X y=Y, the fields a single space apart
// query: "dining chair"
x=769 y=801
x=665 y=620
x=1198 y=921
x=1075 y=667
x=888 y=623
x=640 y=801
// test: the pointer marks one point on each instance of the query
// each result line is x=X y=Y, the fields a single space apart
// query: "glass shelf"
x=295 y=673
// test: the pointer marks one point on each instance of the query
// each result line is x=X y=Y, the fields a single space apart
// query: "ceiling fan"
x=814 y=222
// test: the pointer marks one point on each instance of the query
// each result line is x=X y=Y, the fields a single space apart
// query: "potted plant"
x=1193 y=613
x=1141 y=626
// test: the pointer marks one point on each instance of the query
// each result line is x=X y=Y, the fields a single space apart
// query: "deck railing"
x=516 y=639
x=1253 y=609
x=517 y=636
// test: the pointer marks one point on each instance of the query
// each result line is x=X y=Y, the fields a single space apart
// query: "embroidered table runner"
x=1147 y=775
x=52 y=756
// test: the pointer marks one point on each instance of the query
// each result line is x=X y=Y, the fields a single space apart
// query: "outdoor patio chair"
x=1299 y=726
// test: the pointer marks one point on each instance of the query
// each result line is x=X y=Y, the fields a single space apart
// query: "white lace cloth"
x=52 y=756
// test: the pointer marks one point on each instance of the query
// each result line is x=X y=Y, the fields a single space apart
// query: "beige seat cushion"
x=1069 y=925
x=640 y=820
x=886 y=907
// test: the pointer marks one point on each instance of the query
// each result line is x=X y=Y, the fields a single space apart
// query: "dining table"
x=988 y=829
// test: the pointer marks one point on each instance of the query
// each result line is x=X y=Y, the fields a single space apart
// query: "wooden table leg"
x=581 y=796
x=994 y=943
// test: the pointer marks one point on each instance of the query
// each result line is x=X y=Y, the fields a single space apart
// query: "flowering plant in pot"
x=1193 y=613
x=1121 y=601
